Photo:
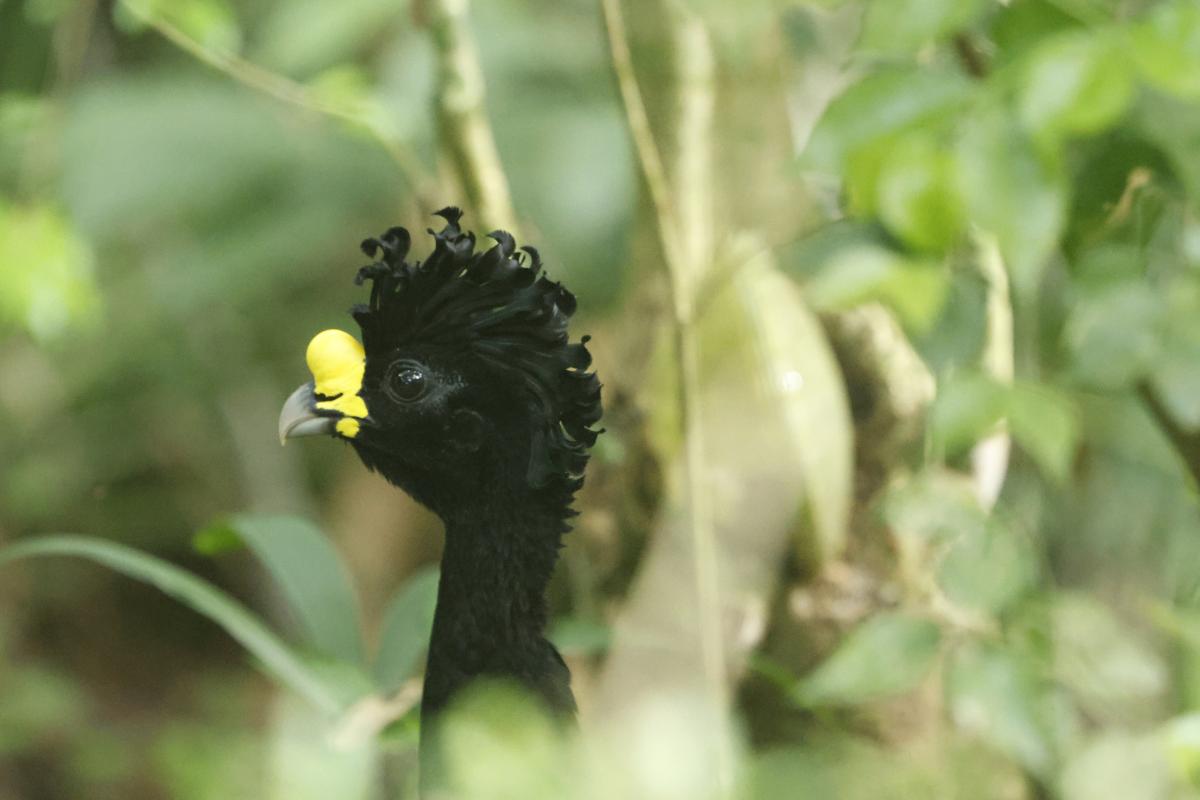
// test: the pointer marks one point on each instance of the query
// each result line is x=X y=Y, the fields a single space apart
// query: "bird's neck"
x=491 y=609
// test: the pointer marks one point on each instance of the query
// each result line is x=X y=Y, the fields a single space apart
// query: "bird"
x=467 y=393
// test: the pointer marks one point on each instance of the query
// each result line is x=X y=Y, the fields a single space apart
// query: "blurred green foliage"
x=1015 y=185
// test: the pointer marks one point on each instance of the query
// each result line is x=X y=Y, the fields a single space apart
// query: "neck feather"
x=491 y=611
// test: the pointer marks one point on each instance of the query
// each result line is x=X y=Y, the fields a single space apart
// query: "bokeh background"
x=897 y=307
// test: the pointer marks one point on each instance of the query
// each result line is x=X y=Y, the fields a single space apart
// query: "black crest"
x=499 y=305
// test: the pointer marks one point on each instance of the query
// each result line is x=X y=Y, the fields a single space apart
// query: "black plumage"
x=480 y=407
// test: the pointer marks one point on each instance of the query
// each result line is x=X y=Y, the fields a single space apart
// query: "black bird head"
x=465 y=387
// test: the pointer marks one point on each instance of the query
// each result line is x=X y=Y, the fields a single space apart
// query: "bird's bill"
x=299 y=416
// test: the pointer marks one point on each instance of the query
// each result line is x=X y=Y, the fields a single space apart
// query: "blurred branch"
x=989 y=458
x=682 y=204
x=287 y=91
x=465 y=127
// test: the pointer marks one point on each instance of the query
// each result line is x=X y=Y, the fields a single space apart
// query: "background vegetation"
x=897 y=305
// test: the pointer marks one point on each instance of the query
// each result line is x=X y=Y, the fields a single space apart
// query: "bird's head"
x=465 y=387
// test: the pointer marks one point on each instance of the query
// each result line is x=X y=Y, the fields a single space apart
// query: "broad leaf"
x=312 y=577
x=406 y=626
x=275 y=657
x=886 y=655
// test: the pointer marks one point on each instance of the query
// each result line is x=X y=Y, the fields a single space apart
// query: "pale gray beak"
x=299 y=417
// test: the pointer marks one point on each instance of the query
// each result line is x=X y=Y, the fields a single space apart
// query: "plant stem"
x=682 y=204
x=466 y=132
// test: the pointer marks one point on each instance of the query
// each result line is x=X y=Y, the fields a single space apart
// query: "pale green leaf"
x=1045 y=423
x=881 y=105
x=1166 y=47
x=914 y=288
x=1105 y=664
x=407 y=623
x=575 y=636
x=275 y=657
x=886 y=655
x=1118 y=766
x=1075 y=83
x=991 y=695
x=312 y=577
x=901 y=26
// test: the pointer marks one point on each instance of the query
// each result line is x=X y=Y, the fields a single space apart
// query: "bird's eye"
x=407 y=383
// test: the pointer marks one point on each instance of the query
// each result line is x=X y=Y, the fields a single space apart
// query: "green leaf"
x=1166 y=48
x=968 y=407
x=1106 y=665
x=211 y=23
x=914 y=289
x=881 y=105
x=1012 y=193
x=1075 y=83
x=1114 y=334
x=991 y=695
x=46 y=281
x=936 y=507
x=407 y=623
x=988 y=567
x=275 y=657
x=902 y=26
x=916 y=195
x=312 y=577
x=1046 y=424
x=1118 y=766
x=1183 y=747
x=575 y=636
x=886 y=655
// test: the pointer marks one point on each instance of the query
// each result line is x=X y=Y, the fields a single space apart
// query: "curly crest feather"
x=499 y=305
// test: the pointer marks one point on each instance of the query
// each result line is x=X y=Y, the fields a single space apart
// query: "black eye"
x=407 y=382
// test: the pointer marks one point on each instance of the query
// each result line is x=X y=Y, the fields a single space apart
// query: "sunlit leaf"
x=276 y=658
x=497 y=743
x=1117 y=766
x=1075 y=84
x=900 y=26
x=46 y=271
x=888 y=654
x=1166 y=47
x=211 y=23
x=916 y=194
x=407 y=623
x=312 y=577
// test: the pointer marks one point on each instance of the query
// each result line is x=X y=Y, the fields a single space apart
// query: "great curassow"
x=467 y=394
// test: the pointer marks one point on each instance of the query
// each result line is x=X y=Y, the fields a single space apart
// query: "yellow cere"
x=336 y=361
